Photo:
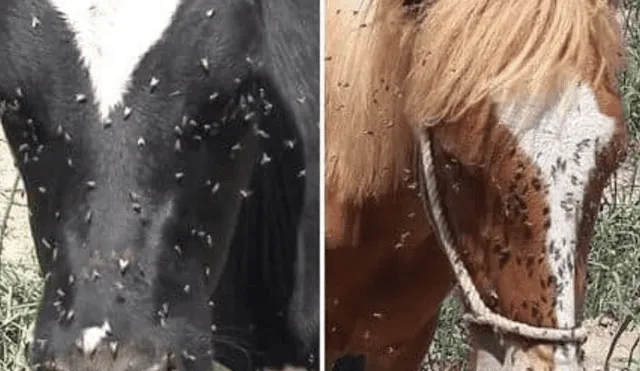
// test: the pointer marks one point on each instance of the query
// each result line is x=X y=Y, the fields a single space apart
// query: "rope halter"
x=479 y=313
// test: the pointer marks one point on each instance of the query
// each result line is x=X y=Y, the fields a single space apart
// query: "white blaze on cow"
x=112 y=38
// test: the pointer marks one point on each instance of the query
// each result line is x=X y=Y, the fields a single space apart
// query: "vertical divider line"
x=322 y=185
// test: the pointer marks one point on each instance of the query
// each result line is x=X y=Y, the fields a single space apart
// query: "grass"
x=19 y=296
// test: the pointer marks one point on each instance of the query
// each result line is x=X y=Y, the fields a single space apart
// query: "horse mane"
x=468 y=52
x=389 y=69
x=367 y=57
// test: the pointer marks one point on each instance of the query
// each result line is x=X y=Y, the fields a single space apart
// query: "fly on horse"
x=170 y=154
x=467 y=142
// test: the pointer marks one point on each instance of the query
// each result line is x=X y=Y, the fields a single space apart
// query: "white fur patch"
x=92 y=337
x=112 y=37
x=564 y=144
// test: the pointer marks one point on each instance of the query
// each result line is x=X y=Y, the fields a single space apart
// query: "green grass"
x=614 y=261
x=630 y=81
x=449 y=347
x=19 y=296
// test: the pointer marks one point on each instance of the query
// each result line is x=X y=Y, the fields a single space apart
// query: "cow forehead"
x=112 y=37
x=562 y=139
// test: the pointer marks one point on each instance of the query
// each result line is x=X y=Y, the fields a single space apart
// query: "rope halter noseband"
x=480 y=313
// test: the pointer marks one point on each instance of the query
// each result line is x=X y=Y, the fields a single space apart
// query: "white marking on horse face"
x=112 y=37
x=92 y=336
x=564 y=143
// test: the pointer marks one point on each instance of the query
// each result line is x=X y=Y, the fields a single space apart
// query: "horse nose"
x=350 y=362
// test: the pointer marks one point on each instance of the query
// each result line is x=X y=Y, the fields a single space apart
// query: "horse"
x=170 y=155
x=467 y=145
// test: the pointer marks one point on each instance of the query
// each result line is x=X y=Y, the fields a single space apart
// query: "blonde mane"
x=367 y=58
x=388 y=70
x=469 y=51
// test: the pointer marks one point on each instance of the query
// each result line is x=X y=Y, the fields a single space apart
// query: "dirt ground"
x=17 y=240
x=18 y=249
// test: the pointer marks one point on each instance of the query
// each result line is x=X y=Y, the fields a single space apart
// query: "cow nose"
x=96 y=362
x=52 y=366
x=90 y=338
x=96 y=349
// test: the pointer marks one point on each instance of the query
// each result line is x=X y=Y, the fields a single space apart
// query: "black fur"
x=350 y=363
x=126 y=197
